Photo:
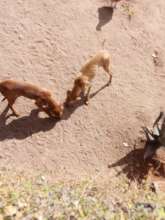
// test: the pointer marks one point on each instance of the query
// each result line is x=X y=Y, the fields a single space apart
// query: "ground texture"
x=46 y=42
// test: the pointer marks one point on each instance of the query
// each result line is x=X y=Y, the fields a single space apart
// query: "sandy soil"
x=46 y=42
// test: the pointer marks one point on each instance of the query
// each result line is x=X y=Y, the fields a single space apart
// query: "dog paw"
x=109 y=82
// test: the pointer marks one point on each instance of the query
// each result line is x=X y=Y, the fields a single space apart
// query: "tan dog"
x=12 y=89
x=87 y=73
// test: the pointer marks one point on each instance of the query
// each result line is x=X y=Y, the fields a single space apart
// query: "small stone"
x=72 y=217
x=21 y=205
x=10 y=211
x=20 y=37
x=38 y=216
x=56 y=215
x=43 y=178
x=149 y=207
x=155 y=54
x=19 y=215
x=125 y=144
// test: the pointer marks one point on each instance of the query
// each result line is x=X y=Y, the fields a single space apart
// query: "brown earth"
x=46 y=42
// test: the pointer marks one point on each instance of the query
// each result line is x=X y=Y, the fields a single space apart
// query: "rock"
x=125 y=144
x=155 y=54
x=10 y=211
x=19 y=215
x=38 y=216
x=72 y=217
x=41 y=180
x=147 y=206
x=21 y=205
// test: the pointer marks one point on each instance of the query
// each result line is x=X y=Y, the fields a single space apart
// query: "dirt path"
x=46 y=42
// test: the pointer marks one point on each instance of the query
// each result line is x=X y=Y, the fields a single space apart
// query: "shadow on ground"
x=134 y=166
x=23 y=127
x=78 y=103
x=104 y=15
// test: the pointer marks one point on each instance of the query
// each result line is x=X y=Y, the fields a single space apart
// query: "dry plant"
x=128 y=10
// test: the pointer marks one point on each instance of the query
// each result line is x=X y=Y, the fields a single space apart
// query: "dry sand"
x=46 y=42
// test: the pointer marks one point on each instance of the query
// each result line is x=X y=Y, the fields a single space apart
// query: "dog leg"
x=156 y=170
x=87 y=95
x=110 y=79
x=107 y=70
x=11 y=101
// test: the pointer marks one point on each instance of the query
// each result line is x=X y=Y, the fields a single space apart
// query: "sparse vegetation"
x=128 y=10
x=23 y=197
x=45 y=42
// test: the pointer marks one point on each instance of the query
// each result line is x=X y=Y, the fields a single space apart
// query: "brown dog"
x=87 y=73
x=12 y=89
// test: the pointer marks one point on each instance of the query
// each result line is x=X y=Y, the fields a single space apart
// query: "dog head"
x=68 y=97
x=73 y=94
x=57 y=111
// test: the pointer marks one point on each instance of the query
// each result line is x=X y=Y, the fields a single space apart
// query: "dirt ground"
x=46 y=42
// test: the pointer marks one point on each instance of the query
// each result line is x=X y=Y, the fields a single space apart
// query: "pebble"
x=10 y=211
x=125 y=144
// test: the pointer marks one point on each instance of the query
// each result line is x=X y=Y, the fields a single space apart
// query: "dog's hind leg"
x=110 y=79
x=87 y=94
x=107 y=67
x=11 y=100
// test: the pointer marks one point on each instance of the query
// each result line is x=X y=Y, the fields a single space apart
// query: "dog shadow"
x=21 y=128
x=104 y=15
x=134 y=166
x=68 y=111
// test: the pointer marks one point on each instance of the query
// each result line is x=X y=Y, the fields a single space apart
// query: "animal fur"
x=83 y=82
x=12 y=89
